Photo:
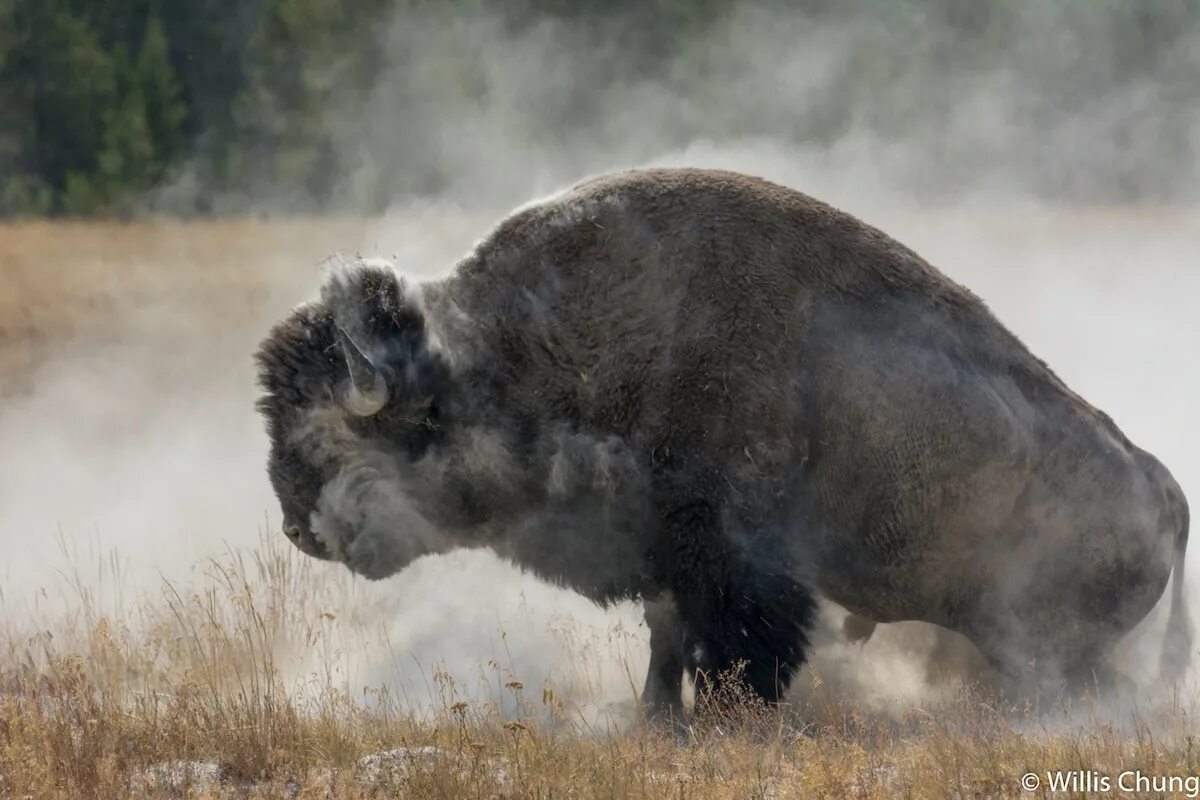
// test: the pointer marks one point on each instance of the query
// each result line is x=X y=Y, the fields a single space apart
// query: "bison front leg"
x=662 y=697
x=745 y=609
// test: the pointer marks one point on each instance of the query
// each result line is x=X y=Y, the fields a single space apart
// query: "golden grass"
x=91 y=700
x=90 y=704
x=76 y=281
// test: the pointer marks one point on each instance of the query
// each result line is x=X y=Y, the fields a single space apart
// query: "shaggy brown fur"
x=722 y=395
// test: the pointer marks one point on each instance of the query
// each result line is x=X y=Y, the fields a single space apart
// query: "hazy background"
x=1044 y=154
x=209 y=106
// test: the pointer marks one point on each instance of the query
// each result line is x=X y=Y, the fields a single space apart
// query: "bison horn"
x=368 y=392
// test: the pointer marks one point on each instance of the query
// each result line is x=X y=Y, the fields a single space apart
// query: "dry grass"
x=91 y=703
x=93 y=698
x=74 y=281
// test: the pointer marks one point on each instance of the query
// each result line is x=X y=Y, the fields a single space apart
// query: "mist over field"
x=920 y=102
x=1044 y=155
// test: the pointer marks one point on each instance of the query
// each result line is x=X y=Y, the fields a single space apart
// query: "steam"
x=366 y=521
x=1058 y=102
x=1006 y=176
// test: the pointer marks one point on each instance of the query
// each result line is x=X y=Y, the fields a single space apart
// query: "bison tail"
x=1177 y=647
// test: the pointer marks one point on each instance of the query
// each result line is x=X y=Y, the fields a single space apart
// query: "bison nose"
x=292 y=531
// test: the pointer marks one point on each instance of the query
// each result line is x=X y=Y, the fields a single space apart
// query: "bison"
x=725 y=398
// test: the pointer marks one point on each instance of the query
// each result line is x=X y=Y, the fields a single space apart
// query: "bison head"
x=351 y=400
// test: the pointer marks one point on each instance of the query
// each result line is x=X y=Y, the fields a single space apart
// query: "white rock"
x=397 y=764
x=177 y=777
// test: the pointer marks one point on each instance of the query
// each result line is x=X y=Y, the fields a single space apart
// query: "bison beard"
x=722 y=397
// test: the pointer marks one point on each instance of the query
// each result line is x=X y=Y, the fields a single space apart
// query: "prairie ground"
x=157 y=639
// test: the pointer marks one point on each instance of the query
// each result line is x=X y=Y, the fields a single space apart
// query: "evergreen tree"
x=65 y=81
x=163 y=109
x=126 y=160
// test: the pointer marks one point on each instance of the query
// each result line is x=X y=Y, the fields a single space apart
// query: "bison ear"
x=367 y=393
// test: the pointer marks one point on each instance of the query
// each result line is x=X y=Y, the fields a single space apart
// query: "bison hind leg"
x=755 y=629
x=1047 y=673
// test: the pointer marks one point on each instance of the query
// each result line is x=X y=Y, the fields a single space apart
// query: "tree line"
x=102 y=101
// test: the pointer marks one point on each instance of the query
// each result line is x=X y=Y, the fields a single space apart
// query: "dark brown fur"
x=755 y=397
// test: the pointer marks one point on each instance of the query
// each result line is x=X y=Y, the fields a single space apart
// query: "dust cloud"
x=1048 y=181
